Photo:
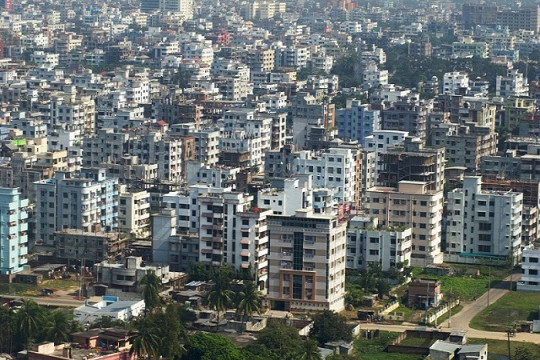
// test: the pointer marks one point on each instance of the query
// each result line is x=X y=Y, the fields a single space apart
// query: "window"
x=533 y=260
x=533 y=272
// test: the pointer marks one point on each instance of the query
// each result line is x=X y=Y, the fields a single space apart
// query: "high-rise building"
x=412 y=205
x=13 y=231
x=483 y=223
x=369 y=244
x=88 y=202
x=357 y=121
x=150 y=5
x=307 y=261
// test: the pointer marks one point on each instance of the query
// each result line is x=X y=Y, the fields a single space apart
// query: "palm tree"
x=220 y=297
x=151 y=286
x=250 y=301
x=311 y=350
x=58 y=326
x=144 y=342
x=29 y=320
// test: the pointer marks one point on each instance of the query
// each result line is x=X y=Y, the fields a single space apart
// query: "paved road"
x=472 y=308
x=461 y=320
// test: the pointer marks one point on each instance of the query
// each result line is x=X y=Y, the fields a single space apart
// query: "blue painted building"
x=357 y=121
x=13 y=231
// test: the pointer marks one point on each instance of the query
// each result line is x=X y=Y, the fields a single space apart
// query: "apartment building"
x=530 y=270
x=178 y=250
x=407 y=114
x=369 y=244
x=134 y=213
x=483 y=223
x=412 y=204
x=334 y=169
x=87 y=202
x=307 y=262
x=465 y=145
x=357 y=121
x=455 y=81
x=74 y=245
x=513 y=84
x=13 y=231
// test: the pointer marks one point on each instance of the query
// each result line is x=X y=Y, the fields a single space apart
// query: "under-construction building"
x=412 y=161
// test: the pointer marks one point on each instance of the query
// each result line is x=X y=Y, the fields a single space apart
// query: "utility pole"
x=427 y=302
x=489 y=283
x=450 y=310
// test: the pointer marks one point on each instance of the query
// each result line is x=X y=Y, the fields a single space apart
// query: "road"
x=461 y=320
x=57 y=301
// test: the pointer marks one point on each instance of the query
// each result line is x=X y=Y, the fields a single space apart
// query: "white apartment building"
x=334 y=169
x=43 y=58
x=307 y=262
x=134 y=213
x=245 y=133
x=483 y=223
x=530 y=270
x=453 y=81
x=88 y=202
x=230 y=229
x=513 y=84
x=368 y=244
x=297 y=193
x=73 y=113
x=215 y=176
x=373 y=77
x=411 y=205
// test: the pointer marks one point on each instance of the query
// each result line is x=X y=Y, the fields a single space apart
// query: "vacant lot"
x=468 y=282
x=512 y=308
x=374 y=349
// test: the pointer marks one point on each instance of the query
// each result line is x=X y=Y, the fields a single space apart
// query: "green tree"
x=259 y=352
x=311 y=350
x=220 y=297
x=250 y=302
x=205 y=346
x=7 y=319
x=330 y=326
x=170 y=332
x=523 y=353
x=29 y=319
x=281 y=339
x=107 y=322
x=144 y=340
x=58 y=326
x=151 y=285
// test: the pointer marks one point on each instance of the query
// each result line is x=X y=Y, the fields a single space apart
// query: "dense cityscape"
x=270 y=180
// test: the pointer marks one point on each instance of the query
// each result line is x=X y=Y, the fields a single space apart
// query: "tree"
x=250 y=301
x=205 y=346
x=330 y=326
x=151 y=286
x=281 y=339
x=220 y=297
x=144 y=340
x=107 y=322
x=170 y=333
x=311 y=350
x=29 y=321
x=7 y=319
x=523 y=353
x=58 y=326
